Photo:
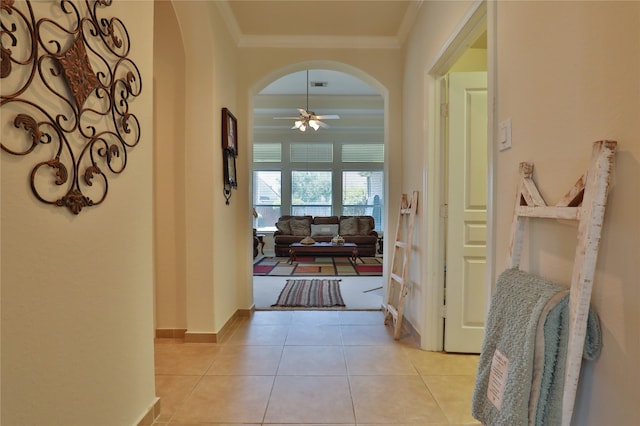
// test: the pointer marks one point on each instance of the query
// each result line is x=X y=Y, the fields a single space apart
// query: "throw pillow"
x=284 y=226
x=324 y=230
x=364 y=226
x=300 y=227
x=349 y=226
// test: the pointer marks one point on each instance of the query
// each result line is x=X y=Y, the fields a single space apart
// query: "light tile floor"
x=312 y=368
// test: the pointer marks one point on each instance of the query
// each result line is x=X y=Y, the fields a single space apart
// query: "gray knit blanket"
x=521 y=368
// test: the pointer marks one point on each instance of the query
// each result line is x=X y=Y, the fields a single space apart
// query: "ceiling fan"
x=308 y=118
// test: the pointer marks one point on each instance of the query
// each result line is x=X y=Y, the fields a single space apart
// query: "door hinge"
x=443 y=311
x=444 y=210
x=444 y=110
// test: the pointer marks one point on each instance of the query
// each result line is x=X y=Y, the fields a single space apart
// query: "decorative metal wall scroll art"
x=66 y=84
x=229 y=152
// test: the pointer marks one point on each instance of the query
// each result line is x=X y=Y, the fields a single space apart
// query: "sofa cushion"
x=324 y=230
x=364 y=226
x=349 y=226
x=324 y=220
x=284 y=226
x=289 y=217
x=300 y=227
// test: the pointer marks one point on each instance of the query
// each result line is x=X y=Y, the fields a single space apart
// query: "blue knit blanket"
x=521 y=368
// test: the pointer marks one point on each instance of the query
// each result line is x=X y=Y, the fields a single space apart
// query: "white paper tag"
x=497 y=379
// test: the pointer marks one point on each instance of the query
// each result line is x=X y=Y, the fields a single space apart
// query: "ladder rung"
x=401 y=244
x=397 y=278
x=405 y=211
x=392 y=311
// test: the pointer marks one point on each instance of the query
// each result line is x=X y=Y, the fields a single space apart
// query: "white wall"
x=169 y=170
x=217 y=236
x=77 y=332
x=573 y=83
x=474 y=59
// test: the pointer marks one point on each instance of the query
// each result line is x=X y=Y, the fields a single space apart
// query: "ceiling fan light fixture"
x=308 y=118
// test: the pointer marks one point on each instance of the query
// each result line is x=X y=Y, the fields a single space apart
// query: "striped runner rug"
x=311 y=293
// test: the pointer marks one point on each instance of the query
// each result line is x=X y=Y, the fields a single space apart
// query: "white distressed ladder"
x=397 y=289
x=586 y=203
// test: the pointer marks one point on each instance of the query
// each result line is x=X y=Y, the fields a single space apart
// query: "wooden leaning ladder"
x=397 y=289
x=586 y=203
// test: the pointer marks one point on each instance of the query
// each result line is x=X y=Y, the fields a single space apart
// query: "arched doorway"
x=338 y=169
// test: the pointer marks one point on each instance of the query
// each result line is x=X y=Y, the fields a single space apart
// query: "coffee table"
x=323 y=249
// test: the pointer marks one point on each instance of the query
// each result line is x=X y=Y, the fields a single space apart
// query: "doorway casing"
x=479 y=18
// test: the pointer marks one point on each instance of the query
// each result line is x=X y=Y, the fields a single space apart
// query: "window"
x=318 y=179
x=311 y=193
x=362 y=194
x=267 y=192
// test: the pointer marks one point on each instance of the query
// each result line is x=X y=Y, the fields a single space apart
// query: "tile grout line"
x=288 y=322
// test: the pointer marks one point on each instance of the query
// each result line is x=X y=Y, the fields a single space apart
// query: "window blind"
x=363 y=153
x=267 y=153
x=311 y=152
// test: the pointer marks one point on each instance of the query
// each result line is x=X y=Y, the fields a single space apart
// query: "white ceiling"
x=337 y=83
x=320 y=23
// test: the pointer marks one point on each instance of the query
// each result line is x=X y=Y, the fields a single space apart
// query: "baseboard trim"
x=151 y=415
x=200 y=337
x=193 y=337
x=170 y=333
x=226 y=329
x=409 y=328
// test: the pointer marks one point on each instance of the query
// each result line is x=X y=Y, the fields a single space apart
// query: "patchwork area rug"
x=318 y=266
x=313 y=293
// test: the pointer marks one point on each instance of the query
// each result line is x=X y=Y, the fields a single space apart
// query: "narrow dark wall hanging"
x=229 y=152
x=69 y=82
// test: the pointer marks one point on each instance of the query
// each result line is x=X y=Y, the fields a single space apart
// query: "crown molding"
x=229 y=20
x=319 y=42
x=407 y=22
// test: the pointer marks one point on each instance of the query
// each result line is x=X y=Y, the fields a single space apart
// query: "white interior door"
x=467 y=212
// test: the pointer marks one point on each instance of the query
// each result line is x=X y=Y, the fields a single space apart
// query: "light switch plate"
x=504 y=135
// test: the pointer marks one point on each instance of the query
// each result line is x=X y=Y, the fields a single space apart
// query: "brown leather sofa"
x=354 y=229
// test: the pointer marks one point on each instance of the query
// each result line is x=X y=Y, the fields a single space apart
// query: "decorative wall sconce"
x=229 y=152
x=66 y=88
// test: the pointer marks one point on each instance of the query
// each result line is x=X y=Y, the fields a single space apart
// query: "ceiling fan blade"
x=327 y=117
x=323 y=125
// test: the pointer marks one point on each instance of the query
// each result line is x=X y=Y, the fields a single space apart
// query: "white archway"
x=324 y=65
